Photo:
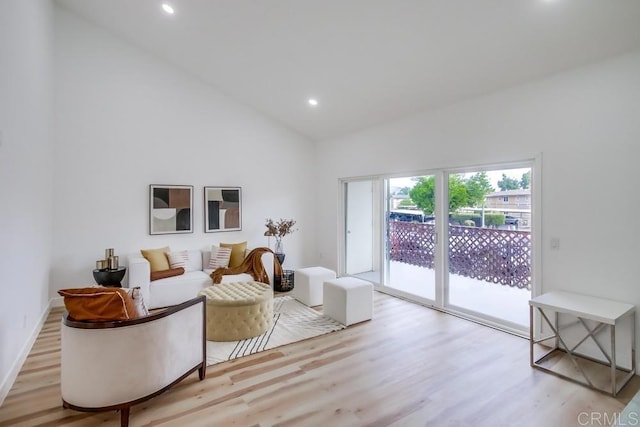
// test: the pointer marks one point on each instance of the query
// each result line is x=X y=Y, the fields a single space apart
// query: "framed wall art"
x=170 y=209
x=222 y=209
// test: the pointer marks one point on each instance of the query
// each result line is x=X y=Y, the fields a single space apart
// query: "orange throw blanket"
x=252 y=264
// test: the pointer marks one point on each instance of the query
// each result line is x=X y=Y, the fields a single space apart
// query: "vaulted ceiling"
x=367 y=61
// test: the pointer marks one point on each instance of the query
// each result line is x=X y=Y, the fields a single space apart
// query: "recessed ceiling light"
x=167 y=8
x=313 y=102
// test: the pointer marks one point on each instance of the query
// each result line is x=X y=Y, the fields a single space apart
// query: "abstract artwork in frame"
x=222 y=209
x=170 y=209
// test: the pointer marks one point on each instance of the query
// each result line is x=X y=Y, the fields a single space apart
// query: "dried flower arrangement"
x=278 y=230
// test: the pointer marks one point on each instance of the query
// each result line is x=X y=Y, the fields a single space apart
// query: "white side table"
x=604 y=313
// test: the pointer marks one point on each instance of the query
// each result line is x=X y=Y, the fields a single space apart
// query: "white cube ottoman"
x=348 y=300
x=308 y=284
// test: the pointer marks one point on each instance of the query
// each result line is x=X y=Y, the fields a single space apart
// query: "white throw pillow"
x=219 y=257
x=136 y=296
x=179 y=259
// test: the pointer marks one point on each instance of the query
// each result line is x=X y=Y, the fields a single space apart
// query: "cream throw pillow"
x=136 y=296
x=179 y=259
x=157 y=258
x=219 y=257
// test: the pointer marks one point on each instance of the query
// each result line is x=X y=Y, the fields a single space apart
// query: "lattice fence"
x=412 y=243
x=498 y=256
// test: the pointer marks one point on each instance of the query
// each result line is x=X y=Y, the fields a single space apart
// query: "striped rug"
x=292 y=321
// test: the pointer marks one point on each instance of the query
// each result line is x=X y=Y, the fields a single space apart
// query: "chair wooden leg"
x=124 y=417
x=202 y=371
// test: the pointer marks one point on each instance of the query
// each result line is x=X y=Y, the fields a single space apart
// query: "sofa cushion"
x=98 y=304
x=195 y=261
x=177 y=289
x=157 y=258
x=237 y=252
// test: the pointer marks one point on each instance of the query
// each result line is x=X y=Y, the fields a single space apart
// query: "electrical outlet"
x=1 y=138
x=24 y=321
x=555 y=243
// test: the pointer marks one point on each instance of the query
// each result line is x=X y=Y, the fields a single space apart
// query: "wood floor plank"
x=409 y=366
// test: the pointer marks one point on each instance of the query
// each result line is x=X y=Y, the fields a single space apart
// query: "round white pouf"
x=238 y=310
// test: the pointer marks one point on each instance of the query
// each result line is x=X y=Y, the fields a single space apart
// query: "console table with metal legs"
x=585 y=308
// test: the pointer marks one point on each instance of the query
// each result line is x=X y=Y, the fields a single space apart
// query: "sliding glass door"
x=411 y=240
x=489 y=244
x=458 y=240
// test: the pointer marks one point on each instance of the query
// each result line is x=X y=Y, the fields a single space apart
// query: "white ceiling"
x=368 y=61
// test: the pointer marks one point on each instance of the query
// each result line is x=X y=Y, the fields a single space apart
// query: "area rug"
x=292 y=321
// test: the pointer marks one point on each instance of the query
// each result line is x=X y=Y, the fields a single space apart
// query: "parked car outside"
x=511 y=220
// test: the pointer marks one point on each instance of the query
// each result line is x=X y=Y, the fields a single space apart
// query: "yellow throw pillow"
x=237 y=252
x=157 y=258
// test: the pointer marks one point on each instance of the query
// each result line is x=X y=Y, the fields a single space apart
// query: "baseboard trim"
x=56 y=302
x=8 y=381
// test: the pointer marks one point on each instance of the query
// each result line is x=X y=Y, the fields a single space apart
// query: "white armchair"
x=114 y=365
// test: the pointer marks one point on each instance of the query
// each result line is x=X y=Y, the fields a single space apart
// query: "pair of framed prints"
x=171 y=209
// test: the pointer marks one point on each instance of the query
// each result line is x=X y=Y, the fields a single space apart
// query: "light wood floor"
x=409 y=366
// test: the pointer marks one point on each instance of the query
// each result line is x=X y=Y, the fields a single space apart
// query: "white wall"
x=125 y=120
x=584 y=122
x=26 y=172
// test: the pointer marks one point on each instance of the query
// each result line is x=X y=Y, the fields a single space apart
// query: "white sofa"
x=177 y=289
